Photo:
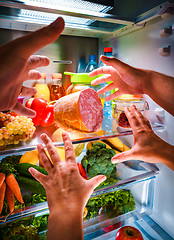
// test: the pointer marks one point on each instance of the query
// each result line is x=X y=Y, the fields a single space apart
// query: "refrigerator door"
x=140 y=49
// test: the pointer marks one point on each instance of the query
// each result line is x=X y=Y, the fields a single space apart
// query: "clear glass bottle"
x=56 y=89
x=92 y=64
x=42 y=88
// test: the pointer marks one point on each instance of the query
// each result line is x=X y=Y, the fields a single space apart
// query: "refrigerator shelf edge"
x=86 y=137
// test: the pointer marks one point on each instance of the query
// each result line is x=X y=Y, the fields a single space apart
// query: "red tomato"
x=39 y=105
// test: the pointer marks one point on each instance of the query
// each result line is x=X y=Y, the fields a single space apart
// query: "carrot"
x=2 y=194
x=14 y=186
x=9 y=195
x=2 y=178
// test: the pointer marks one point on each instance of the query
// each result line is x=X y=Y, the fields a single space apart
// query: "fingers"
x=38 y=176
x=28 y=91
x=142 y=120
x=51 y=149
x=44 y=158
x=32 y=42
x=69 y=149
x=121 y=67
x=122 y=157
x=99 y=71
x=114 y=95
x=134 y=123
x=108 y=88
x=101 y=79
x=97 y=180
x=34 y=75
x=21 y=109
x=137 y=120
x=36 y=61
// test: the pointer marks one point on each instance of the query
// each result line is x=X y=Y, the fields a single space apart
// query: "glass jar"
x=120 y=115
x=56 y=89
x=42 y=88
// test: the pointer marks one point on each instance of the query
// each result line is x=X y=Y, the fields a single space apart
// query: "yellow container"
x=42 y=88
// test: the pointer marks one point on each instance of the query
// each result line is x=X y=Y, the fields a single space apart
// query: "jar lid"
x=140 y=105
x=130 y=97
x=56 y=76
x=80 y=78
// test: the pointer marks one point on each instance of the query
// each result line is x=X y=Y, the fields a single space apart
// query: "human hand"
x=65 y=187
x=147 y=145
x=17 y=64
x=125 y=78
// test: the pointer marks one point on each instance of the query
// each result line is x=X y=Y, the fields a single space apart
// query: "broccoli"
x=98 y=160
x=9 y=163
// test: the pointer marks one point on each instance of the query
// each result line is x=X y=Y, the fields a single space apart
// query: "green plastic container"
x=81 y=81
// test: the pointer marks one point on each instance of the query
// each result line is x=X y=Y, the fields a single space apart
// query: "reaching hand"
x=17 y=64
x=67 y=191
x=130 y=80
x=147 y=146
x=125 y=79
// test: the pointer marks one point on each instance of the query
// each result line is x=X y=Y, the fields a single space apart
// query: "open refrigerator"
x=135 y=31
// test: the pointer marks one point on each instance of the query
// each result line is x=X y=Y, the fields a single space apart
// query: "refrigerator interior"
x=139 y=49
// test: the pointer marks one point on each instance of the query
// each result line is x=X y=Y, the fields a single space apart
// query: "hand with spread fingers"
x=67 y=191
x=147 y=145
x=130 y=80
x=17 y=65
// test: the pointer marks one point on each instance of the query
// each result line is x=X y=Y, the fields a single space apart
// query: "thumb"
x=118 y=65
x=95 y=181
x=19 y=108
x=32 y=42
x=122 y=157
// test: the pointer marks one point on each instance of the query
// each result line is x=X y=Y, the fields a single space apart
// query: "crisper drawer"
x=136 y=181
x=108 y=221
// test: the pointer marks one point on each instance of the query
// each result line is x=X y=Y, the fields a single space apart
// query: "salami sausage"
x=80 y=111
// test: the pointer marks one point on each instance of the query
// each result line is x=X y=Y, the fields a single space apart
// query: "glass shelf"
x=110 y=131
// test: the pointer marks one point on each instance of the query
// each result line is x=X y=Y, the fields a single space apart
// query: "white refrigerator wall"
x=140 y=49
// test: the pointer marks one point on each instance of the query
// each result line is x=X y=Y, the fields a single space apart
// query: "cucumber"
x=28 y=184
x=22 y=169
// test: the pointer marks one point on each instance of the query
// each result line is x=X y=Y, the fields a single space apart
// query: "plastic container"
x=107 y=110
x=80 y=81
x=92 y=64
x=42 y=88
x=56 y=88
x=119 y=113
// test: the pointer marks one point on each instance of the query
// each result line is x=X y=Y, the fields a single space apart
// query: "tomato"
x=39 y=106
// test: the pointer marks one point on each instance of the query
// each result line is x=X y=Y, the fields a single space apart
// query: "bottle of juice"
x=56 y=89
x=42 y=88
